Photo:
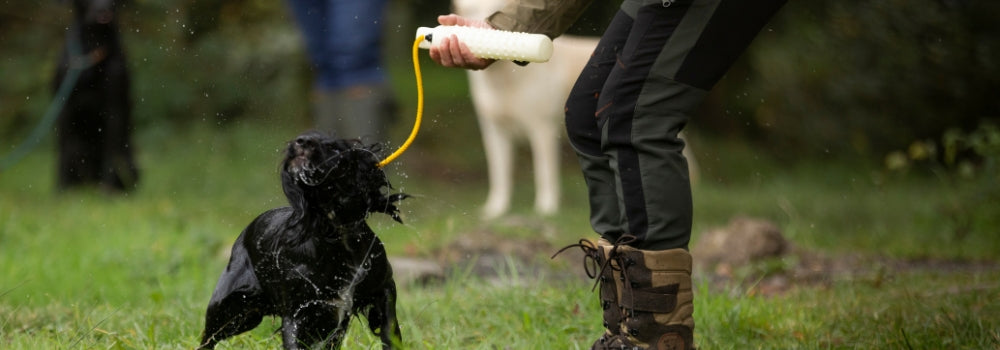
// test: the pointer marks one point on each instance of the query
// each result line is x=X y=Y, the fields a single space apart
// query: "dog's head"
x=336 y=178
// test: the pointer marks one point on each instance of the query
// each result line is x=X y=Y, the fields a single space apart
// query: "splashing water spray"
x=484 y=43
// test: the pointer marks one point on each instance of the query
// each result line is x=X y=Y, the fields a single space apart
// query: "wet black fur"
x=299 y=262
x=94 y=126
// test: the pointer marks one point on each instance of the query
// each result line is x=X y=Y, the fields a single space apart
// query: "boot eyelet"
x=634 y=332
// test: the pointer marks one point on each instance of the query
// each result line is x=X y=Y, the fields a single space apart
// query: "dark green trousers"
x=652 y=68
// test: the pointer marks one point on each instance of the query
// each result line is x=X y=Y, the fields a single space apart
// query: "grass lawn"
x=86 y=270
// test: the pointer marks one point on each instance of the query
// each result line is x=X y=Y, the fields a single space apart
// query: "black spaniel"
x=316 y=263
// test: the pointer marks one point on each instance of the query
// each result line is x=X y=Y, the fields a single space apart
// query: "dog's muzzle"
x=308 y=171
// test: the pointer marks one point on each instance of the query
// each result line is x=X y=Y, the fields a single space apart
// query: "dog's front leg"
x=291 y=334
x=382 y=318
x=314 y=326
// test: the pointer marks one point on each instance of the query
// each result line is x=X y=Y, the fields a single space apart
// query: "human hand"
x=450 y=52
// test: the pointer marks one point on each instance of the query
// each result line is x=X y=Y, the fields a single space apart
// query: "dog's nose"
x=302 y=146
x=302 y=141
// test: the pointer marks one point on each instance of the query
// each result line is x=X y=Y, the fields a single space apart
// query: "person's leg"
x=354 y=42
x=585 y=138
x=641 y=140
x=359 y=101
x=609 y=88
x=698 y=42
x=585 y=135
x=311 y=17
x=343 y=40
x=674 y=52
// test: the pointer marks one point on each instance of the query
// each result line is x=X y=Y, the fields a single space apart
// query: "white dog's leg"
x=545 y=157
x=500 y=162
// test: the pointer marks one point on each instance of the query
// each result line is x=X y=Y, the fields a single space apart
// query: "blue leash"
x=77 y=63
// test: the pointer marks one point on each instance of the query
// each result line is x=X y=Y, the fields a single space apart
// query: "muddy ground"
x=747 y=256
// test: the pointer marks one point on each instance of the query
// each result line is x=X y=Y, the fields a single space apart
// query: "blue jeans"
x=343 y=39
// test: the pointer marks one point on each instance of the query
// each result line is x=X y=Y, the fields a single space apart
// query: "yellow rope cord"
x=420 y=106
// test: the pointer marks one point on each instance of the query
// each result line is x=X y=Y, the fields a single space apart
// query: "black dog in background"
x=95 y=124
x=317 y=263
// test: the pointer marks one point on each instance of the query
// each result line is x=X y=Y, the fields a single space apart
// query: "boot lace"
x=592 y=263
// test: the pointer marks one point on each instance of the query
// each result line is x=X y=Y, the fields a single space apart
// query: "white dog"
x=514 y=102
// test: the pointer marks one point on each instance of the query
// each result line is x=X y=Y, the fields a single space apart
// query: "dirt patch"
x=750 y=255
x=489 y=254
x=747 y=256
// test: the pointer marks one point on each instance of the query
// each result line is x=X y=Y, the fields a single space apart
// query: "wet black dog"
x=94 y=127
x=317 y=263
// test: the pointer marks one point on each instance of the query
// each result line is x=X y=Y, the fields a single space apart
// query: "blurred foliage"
x=958 y=159
x=190 y=60
x=864 y=77
x=850 y=78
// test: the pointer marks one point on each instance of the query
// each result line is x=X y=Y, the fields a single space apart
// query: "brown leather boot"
x=656 y=299
x=646 y=295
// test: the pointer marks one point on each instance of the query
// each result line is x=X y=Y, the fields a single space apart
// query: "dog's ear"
x=374 y=183
x=296 y=197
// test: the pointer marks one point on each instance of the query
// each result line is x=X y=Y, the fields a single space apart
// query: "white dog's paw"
x=547 y=205
x=493 y=210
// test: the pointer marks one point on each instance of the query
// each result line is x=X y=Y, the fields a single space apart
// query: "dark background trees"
x=849 y=78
